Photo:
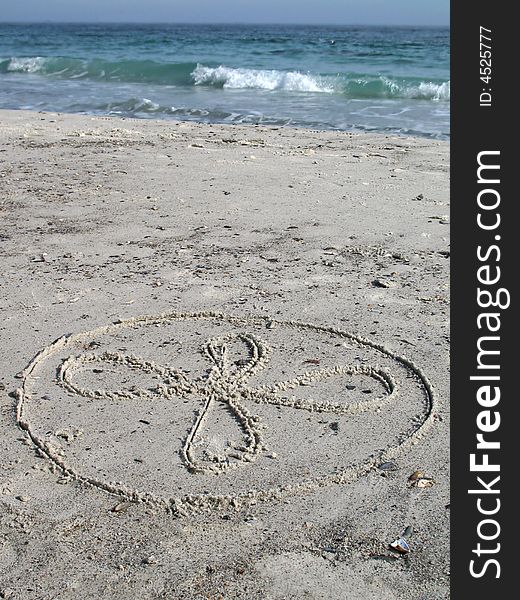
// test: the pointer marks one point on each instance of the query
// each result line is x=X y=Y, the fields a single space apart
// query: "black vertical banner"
x=484 y=541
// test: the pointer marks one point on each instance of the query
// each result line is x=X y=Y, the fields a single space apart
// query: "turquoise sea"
x=383 y=79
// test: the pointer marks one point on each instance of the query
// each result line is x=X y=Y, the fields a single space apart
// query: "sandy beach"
x=257 y=361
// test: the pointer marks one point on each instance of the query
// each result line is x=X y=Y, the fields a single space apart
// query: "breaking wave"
x=351 y=85
x=292 y=81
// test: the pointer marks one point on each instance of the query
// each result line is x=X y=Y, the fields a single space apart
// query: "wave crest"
x=31 y=64
x=227 y=77
x=349 y=85
x=147 y=71
x=385 y=87
x=434 y=91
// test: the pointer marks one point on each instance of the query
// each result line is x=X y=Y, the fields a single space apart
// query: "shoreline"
x=445 y=138
x=105 y=220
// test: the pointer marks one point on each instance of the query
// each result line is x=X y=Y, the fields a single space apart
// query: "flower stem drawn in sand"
x=225 y=385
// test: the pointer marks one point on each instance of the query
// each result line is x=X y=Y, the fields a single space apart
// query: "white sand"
x=259 y=478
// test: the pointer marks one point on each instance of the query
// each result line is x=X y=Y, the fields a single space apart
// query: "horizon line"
x=56 y=22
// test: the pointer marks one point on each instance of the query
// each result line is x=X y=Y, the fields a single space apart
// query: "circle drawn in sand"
x=233 y=362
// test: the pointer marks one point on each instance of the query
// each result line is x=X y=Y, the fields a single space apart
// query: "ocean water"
x=382 y=79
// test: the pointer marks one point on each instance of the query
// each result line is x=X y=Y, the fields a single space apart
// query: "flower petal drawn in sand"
x=225 y=385
x=225 y=388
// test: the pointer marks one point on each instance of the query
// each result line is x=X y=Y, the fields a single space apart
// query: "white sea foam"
x=426 y=90
x=146 y=105
x=227 y=77
x=435 y=91
x=32 y=64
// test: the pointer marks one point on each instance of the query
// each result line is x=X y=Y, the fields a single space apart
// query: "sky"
x=367 y=12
